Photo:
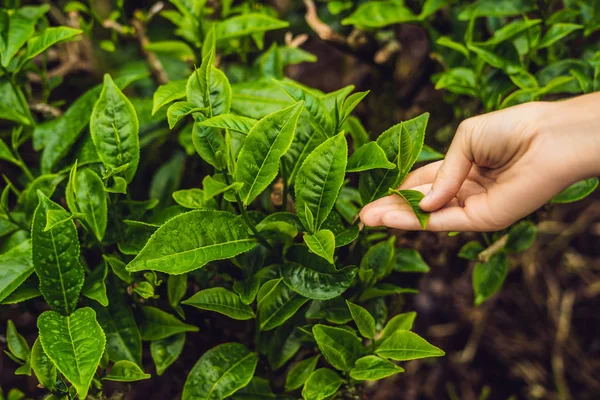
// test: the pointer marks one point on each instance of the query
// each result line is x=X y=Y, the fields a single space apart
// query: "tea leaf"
x=520 y=237
x=114 y=128
x=405 y=346
x=276 y=304
x=94 y=286
x=384 y=289
x=267 y=142
x=247 y=24
x=230 y=121
x=321 y=385
x=166 y=351
x=11 y=103
x=284 y=344
x=158 y=324
x=339 y=346
x=399 y=322
x=557 y=32
x=17 y=27
x=409 y=260
x=49 y=37
x=377 y=14
x=321 y=284
x=322 y=243
x=17 y=345
x=471 y=250
x=488 y=277
x=334 y=310
x=209 y=236
x=180 y=110
x=209 y=143
x=74 y=344
x=371 y=368
x=189 y=198
x=379 y=259
x=220 y=372
x=300 y=372
x=176 y=48
x=15 y=267
x=90 y=201
x=363 y=319
x=313 y=105
x=55 y=256
x=577 y=191
x=126 y=371
x=165 y=94
x=118 y=268
x=258 y=388
x=222 y=301
x=43 y=367
x=368 y=156
x=176 y=290
x=413 y=198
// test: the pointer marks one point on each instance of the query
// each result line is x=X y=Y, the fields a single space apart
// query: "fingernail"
x=427 y=198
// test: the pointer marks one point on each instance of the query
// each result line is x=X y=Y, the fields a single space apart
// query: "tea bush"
x=95 y=220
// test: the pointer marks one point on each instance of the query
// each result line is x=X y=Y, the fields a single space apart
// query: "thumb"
x=453 y=172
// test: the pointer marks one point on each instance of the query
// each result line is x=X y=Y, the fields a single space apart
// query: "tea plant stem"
x=250 y=224
x=24 y=167
x=285 y=185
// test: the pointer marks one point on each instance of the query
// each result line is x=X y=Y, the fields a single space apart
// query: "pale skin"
x=501 y=167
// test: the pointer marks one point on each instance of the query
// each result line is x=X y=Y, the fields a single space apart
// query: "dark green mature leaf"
x=385 y=289
x=55 y=255
x=363 y=319
x=165 y=94
x=340 y=347
x=413 y=198
x=49 y=37
x=267 y=142
x=368 y=156
x=157 y=324
x=334 y=310
x=15 y=267
x=43 y=367
x=11 y=102
x=405 y=346
x=399 y=322
x=322 y=243
x=277 y=303
x=471 y=250
x=222 y=301
x=257 y=389
x=28 y=290
x=300 y=372
x=230 y=121
x=74 y=344
x=520 y=237
x=166 y=351
x=220 y=372
x=318 y=284
x=191 y=240
x=284 y=343
x=377 y=14
x=321 y=385
x=114 y=128
x=378 y=259
x=488 y=277
x=29 y=197
x=319 y=181
x=247 y=24
x=577 y=191
x=557 y=32
x=94 y=286
x=126 y=371
x=90 y=201
x=371 y=368
x=17 y=345
x=409 y=260
x=17 y=26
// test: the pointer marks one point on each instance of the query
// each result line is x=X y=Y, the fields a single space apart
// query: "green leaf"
x=175 y=48
x=369 y=156
x=190 y=198
x=222 y=301
x=488 y=277
x=74 y=344
x=340 y=347
x=413 y=198
x=126 y=371
x=158 y=324
x=318 y=284
x=17 y=26
x=49 y=37
x=15 y=267
x=471 y=250
x=313 y=105
x=430 y=7
x=95 y=286
x=458 y=80
x=385 y=289
x=257 y=389
x=180 y=110
x=399 y=322
x=220 y=372
x=576 y=192
x=43 y=367
x=405 y=346
x=114 y=128
x=320 y=179
x=118 y=268
x=6 y=154
x=371 y=368
x=209 y=88
x=300 y=372
x=524 y=80
x=284 y=343
x=166 y=351
x=176 y=290
x=247 y=24
x=258 y=98
x=511 y=30
x=377 y=14
x=55 y=256
x=409 y=260
x=321 y=385
x=209 y=143
x=90 y=201
x=209 y=236
x=11 y=102
x=557 y=32
x=378 y=259
x=495 y=8
x=322 y=244
x=230 y=121
x=17 y=345
x=165 y=94
x=363 y=319
x=334 y=310
x=267 y=142
x=451 y=44
x=520 y=237
x=276 y=304
x=28 y=290
x=214 y=187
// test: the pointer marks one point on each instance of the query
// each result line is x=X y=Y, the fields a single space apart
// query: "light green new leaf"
x=190 y=198
x=320 y=179
x=405 y=346
x=179 y=110
x=176 y=48
x=29 y=199
x=55 y=256
x=74 y=344
x=451 y=44
x=209 y=143
x=11 y=102
x=247 y=24
x=277 y=303
x=57 y=217
x=399 y=322
x=300 y=372
x=191 y=240
x=313 y=105
x=220 y=372
x=6 y=154
x=363 y=319
x=413 y=198
x=488 y=277
x=165 y=94
x=577 y=191
x=16 y=26
x=222 y=301
x=158 y=324
x=372 y=368
x=409 y=260
x=115 y=128
x=266 y=143
x=209 y=88
x=322 y=243
x=214 y=187
x=166 y=351
x=17 y=345
x=318 y=284
x=340 y=347
x=510 y=30
x=176 y=289
x=118 y=268
x=126 y=371
x=43 y=367
x=430 y=7
x=230 y=121
x=368 y=156
x=49 y=37
x=15 y=267
x=95 y=285
x=377 y=14
x=557 y=32
x=379 y=259
x=321 y=385
x=90 y=201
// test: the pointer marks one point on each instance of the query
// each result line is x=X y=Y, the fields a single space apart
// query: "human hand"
x=500 y=167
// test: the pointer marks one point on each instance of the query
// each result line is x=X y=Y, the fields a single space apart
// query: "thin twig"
x=324 y=31
x=46 y=109
x=156 y=68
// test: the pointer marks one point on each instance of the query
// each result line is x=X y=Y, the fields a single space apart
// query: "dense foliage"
x=266 y=231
